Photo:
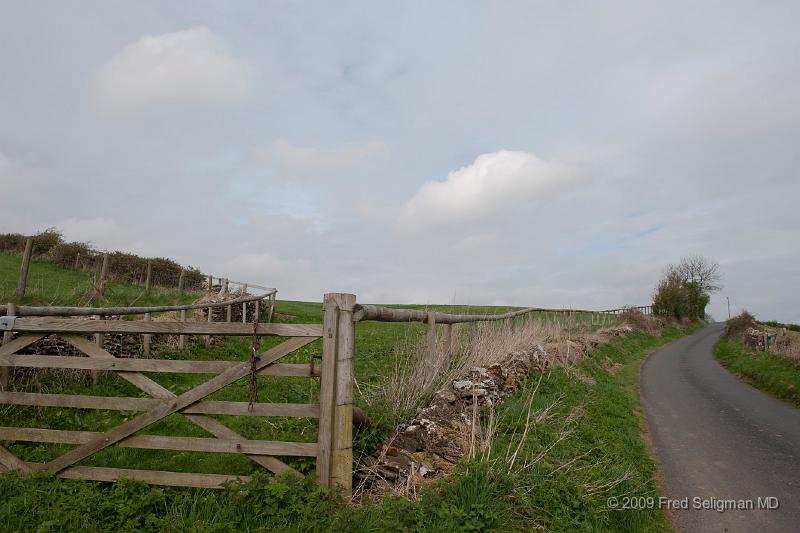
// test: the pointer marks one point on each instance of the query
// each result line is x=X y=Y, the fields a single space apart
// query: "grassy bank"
x=51 y=284
x=774 y=374
x=583 y=445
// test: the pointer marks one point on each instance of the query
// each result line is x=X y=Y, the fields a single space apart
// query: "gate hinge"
x=7 y=323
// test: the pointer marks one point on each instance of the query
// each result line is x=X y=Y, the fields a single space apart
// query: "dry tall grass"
x=788 y=345
x=417 y=375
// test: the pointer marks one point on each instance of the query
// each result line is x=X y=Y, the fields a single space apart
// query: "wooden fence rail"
x=389 y=314
x=90 y=311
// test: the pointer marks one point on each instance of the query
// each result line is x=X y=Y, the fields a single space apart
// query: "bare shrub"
x=69 y=254
x=45 y=240
x=737 y=325
x=12 y=242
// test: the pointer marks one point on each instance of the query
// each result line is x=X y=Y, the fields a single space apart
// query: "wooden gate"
x=333 y=449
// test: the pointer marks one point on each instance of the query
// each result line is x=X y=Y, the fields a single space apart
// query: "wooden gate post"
x=335 y=446
x=342 y=456
x=23 y=269
x=181 y=279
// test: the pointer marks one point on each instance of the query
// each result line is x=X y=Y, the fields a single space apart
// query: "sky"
x=554 y=154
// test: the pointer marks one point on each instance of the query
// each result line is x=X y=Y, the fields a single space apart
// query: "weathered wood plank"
x=164 y=442
x=301 y=370
x=89 y=311
x=342 y=453
x=115 y=403
x=327 y=394
x=79 y=402
x=5 y=372
x=151 y=477
x=12 y=462
x=125 y=364
x=56 y=325
x=18 y=344
x=181 y=402
x=294 y=410
x=386 y=314
x=150 y=365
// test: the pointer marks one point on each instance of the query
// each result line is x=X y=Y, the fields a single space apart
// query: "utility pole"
x=729 y=307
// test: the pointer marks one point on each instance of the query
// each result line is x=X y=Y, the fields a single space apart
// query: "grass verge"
x=774 y=374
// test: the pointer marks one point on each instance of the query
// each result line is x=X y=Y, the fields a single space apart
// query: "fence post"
x=146 y=337
x=23 y=269
x=149 y=277
x=229 y=313
x=100 y=286
x=5 y=371
x=182 y=338
x=327 y=389
x=210 y=283
x=181 y=280
x=342 y=449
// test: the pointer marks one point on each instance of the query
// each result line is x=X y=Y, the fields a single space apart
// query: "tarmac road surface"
x=717 y=439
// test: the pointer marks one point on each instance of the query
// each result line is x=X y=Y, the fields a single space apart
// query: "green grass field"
x=51 y=284
x=774 y=374
x=563 y=485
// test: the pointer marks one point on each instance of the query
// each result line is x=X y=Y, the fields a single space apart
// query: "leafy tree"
x=684 y=289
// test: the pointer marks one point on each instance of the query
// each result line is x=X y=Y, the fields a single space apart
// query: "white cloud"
x=493 y=184
x=184 y=67
x=290 y=160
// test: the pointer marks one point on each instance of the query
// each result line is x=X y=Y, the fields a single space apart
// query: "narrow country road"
x=716 y=437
